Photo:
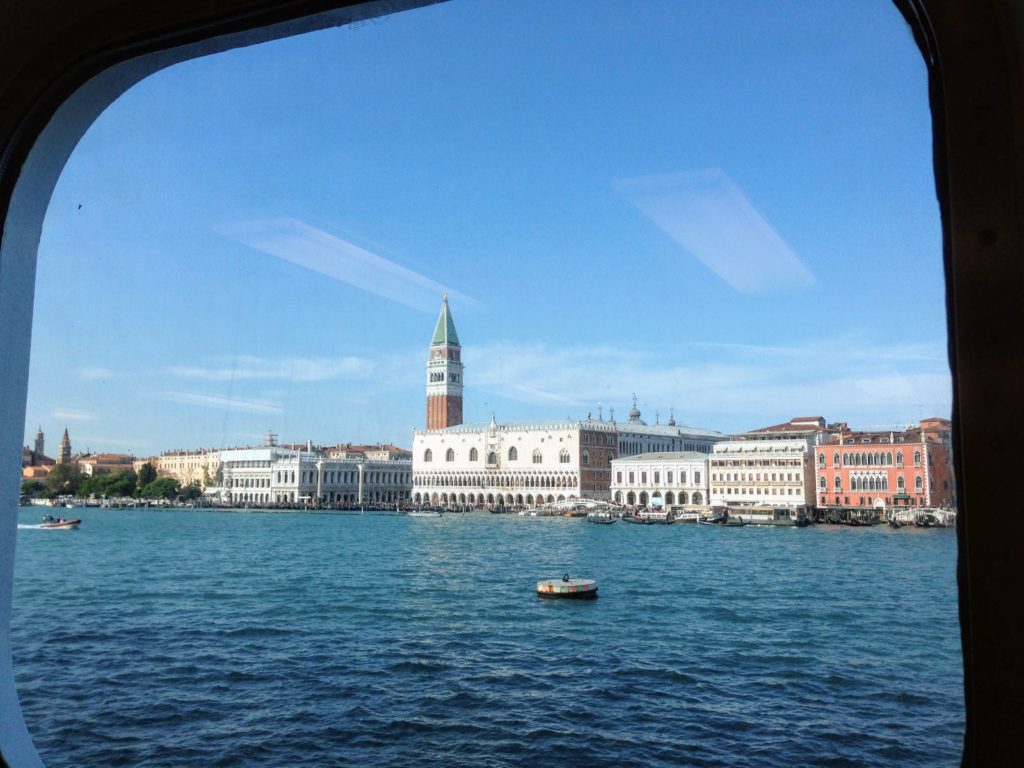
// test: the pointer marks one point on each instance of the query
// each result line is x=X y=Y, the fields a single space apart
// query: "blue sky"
x=727 y=208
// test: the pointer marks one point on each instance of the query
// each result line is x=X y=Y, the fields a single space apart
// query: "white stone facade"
x=513 y=464
x=638 y=438
x=276 y=475
x=667 y=479
x=762 y=473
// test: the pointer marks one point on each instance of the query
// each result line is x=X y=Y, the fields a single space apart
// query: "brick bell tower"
x=444 y=373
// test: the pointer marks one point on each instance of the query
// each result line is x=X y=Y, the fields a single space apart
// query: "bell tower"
x=64 y=457
x=444 y=373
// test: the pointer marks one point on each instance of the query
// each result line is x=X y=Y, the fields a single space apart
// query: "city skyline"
x=724 y=213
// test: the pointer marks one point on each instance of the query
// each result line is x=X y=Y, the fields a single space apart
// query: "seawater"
x=212 y=638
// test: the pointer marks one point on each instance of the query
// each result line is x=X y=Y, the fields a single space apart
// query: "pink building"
x=879 y=470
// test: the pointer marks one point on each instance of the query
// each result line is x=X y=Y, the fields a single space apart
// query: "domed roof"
x=634 y=414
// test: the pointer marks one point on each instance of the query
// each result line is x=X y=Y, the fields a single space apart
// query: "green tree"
x=117 y=484
x=64 y=479
x=147 y=474
x=32 y=488
x=190 y=492
x=161 y=488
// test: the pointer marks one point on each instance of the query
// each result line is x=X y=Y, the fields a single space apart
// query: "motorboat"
x=49 y=521
x=424 y=513
x=601 y=517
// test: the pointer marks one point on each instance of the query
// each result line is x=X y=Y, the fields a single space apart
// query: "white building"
x=675 y=478
x=514 y=464
x=762 y=473
x=279 y=475
x=522 y=463
x=637 y=436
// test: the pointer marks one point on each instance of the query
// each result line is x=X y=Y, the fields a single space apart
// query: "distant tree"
x=161 y=488
x=116 y=484
x=190 y=492
x=64 y=479
x=33 y=488
x=147 y=474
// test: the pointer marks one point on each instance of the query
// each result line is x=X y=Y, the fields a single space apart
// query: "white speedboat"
x=425 y=513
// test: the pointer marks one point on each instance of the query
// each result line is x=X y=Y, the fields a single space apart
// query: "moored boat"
x=724 y=521
x=766 y=515
x=601 y=517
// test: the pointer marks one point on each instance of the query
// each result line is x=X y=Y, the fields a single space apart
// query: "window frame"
x=113 y=45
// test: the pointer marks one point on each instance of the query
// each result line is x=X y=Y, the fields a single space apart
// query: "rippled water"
x=196 y=638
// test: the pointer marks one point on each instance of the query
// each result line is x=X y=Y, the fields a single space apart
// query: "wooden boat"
x=724 y=521
x=601 y=518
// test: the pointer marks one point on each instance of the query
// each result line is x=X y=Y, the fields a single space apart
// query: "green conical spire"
x=445 y=333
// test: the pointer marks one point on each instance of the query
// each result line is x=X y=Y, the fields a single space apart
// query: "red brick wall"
x=443 y=411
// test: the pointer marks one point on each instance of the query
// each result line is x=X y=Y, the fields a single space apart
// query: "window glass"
x=294 y=247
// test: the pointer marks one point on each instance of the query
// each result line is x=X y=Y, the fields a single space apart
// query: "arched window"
x=901 y=485
x=835 y=459
x=586 y=458
x=899 y=458
x=839 y=484
x=538 y=457
x=513 y=454
x=918 y=484
x=449 y=455
x=563 y=456
x=917 y=458
x=473 y=455
x=492 y=458
x=821 y=483
x=821 y=459
x=428 y=455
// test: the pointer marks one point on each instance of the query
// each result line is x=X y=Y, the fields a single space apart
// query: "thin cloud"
x=729 y=387
x=711 y=218
x=95 y=374
x=326 y=254
x=132 y=445
x=221 y=403
x=306 y=369
x=68 y=414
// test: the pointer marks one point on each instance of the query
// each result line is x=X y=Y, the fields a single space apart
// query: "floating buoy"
x=565 y=587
